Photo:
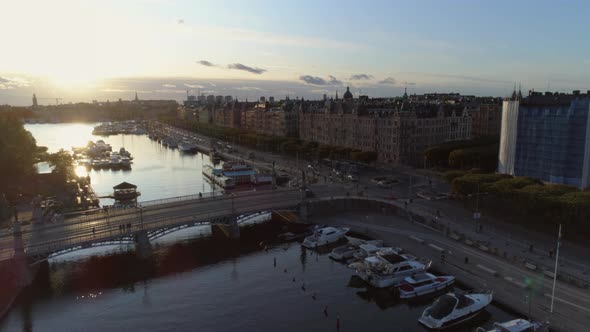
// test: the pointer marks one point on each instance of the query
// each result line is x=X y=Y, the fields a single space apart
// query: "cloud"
x=315 y=80
x=193 y=86
x=253 y=70
x=360 y=77
x=169 y=85
x=9 y=83
x=248 y=88
x=171 y=91
x=388 y=80
x=334 y=81
x=206 y=63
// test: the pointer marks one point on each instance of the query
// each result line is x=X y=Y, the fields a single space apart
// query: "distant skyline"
x=85 y=50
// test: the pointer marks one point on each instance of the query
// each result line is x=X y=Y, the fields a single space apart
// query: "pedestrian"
x=438 y=213
x=338 y=323
x=442 y=257
x=93 y=231
x=531 y=247
x=313 y=296
x=551 y=253
x=325 y=310
x=275 y=262
x=406 y=204
x=303 y=287
x=466 y=260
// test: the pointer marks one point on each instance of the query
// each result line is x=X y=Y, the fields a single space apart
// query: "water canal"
x=159 y=172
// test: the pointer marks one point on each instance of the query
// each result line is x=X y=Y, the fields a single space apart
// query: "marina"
x=158 y=172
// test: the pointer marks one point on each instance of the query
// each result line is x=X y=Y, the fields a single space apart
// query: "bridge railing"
x=208 y=195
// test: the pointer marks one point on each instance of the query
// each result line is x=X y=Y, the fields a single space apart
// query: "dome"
x=347 y=94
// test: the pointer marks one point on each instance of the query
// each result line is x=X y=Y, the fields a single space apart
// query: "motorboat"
x=369 y=249
x=518 y=325
x=186 y=147
x=423 y=284
x=452 y=309
x=125 y=162
x=387 y=269
x=324 y=236
x=115 y=162
x=348 y=250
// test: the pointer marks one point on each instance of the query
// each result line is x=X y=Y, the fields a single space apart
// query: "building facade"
x=547 y=137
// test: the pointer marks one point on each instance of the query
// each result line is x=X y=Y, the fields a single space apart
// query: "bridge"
x=139 y=225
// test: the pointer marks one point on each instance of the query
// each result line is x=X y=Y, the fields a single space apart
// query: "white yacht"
x=387 y=269
x=423 y=284
x=369 y=249
x=348 y=250
x=452 y=309
x=324 y=236
x=518 y=325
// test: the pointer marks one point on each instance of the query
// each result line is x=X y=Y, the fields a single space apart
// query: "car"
x=353 y=178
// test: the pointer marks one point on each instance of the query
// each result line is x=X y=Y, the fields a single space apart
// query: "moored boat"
x=387 y=269
x=453 y=309
x=424 y=284
x=325 y=236
x=518 y=325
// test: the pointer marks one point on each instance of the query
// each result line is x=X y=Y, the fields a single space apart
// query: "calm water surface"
x=158 y=172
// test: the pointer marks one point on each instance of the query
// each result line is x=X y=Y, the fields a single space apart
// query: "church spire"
x=137 y=99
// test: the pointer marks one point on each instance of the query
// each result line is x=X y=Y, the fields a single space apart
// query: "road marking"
x=517 y=283
x=487 y=269
x=415 y=238
x=435 y=247
x=567 y=302
x=530 y=266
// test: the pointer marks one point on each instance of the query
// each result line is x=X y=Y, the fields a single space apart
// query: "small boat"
x=518 y=325
x=125 y=163
x=186 y=147
x=324 y=236
x=348 y=250
x=369 y=249
x=452 y=309
x=387 y=269
x=423 y=284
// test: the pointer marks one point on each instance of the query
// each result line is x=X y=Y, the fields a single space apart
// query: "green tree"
x=18 y=150
x=62 y=163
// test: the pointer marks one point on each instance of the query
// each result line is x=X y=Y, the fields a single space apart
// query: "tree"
x=18 y=150
x=62 y=163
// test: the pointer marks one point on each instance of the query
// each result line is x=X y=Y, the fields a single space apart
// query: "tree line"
x=278 y=144
x=527 y=201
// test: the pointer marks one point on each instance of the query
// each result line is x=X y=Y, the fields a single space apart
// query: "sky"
x=82 y=50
